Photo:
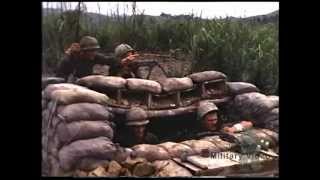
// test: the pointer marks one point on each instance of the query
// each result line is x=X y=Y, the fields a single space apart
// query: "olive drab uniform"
x=82 y=67
x=127 y=140
x=72 y=64
x=135 y=117
x=120 y=53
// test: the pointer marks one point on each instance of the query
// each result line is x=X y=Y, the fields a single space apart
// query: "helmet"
x=204 y=108
x=122 y=49
x=89 y=43
x=136 y=116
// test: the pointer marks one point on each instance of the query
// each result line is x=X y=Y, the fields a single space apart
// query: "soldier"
x=126 y=53
x=135 y=133
x=207 y=112
x=80 y=59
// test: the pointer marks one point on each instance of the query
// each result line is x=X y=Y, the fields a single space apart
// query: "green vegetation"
x=244 y=51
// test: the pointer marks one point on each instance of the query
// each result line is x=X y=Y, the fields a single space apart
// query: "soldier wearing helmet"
x=135 y=131
x=207 y=116
x=125 y=53
x=80 y=59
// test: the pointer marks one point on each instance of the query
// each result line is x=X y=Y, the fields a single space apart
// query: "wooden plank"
x=190 y=167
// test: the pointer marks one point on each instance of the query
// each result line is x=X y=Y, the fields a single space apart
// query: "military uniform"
x=135 y=117
x=83 y=67
x=127 y=140
x=80 y=67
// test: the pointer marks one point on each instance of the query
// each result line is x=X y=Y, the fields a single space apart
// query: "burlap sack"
x=176 y=149
x=150 y=152
x=206 y=76
x=168 y=168
x=69 y=132
x=84 y=111
x=176 y=84
x=102 y=81
x=71 y=154
x=236 y=88
x=143 y=85
x=79 y=96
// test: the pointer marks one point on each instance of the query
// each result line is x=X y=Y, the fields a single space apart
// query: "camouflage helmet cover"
x=204 y=108
x=136 y=116
x=89 y=43
x=122 y=49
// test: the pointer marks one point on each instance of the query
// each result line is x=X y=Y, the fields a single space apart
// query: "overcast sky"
x=208 y=9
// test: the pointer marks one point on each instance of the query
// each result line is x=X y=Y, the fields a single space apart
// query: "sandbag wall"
x=157 y=160
x=77 y=130
x=248 y=104
x=162 y=94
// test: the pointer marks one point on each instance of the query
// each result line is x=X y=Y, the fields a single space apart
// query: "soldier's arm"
x=65 y=68
x=107 y=60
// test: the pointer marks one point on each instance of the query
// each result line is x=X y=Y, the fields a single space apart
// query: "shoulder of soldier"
x=105 y=59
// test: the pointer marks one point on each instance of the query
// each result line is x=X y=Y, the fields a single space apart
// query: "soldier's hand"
x=246 y=124
x=127 y=60
x=229 y=129
x=73 y=49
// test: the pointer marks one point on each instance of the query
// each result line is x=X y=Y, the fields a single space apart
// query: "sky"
x=206 y=9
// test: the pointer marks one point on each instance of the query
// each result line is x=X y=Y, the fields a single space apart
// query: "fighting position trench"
x=79 y=122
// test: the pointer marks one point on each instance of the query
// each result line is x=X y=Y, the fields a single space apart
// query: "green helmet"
x=204 y=108
x=89 y=43
x=122 y=49
x=136 y=117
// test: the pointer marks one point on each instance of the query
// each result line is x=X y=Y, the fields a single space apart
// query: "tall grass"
x=243 y=51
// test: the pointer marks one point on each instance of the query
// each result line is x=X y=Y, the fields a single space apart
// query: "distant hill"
x=95 y=17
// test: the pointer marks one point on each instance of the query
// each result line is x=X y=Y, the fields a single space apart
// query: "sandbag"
x=272 y=115
x=54 y=166
x=63 y=86
x=143 y=85
x=176 y=84
x=236 y=88
x=176 y=149
x=51 y=80
x=53 y=146
x=102 y=81
x=221 y=144
x=45 y=117
x=168 y=168
x=199 y=145
x=274 y=99
x=43 y=104
x=68 y=132
x=150 y=152
x=89 y=164
x=71 y=154
x=78 y=96
x=206 y=76
x=251 y=105
x=84 y=111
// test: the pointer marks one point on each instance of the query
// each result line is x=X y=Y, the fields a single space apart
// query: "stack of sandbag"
x=261 y=109
x=206 y=76
x=147 y=160
x=236 y=88
x=77 y=130
x=168 y=150
x=51 y=80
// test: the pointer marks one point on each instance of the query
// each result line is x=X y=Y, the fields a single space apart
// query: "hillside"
x=95 y=18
